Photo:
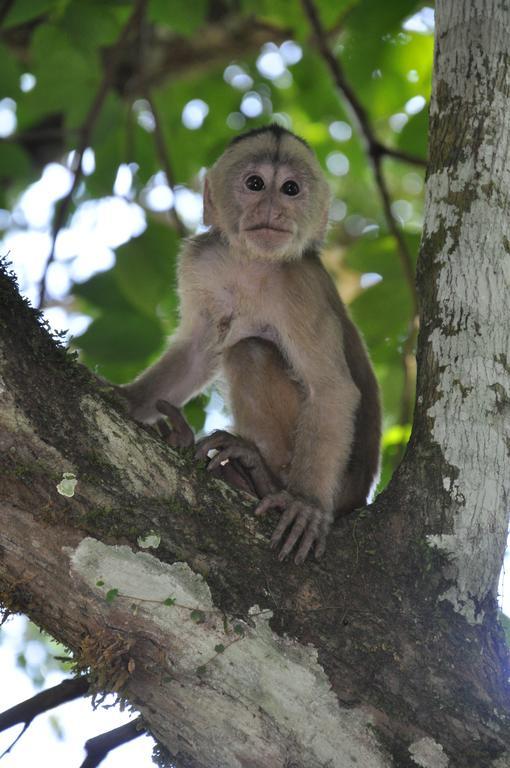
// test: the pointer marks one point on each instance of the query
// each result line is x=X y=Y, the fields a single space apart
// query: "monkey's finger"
x=164 y=429
x=184 y=434
x=214 y=442
x=274 y=500
x=308 y=539
x=173 y=413
x=220 y=458
x=296 y=531
x=320 y=547
x=288 y=516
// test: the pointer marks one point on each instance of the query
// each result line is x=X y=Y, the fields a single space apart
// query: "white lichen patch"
x=272 y=691
x=144 y=466
x=427 y=753
x=502 y=762
x=67 y=485
x=151 y=540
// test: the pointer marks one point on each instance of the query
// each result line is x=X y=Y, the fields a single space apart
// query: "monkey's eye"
x=254 y=183
x=290 y=188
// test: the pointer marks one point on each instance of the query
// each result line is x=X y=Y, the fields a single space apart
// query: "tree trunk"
x=386 y=653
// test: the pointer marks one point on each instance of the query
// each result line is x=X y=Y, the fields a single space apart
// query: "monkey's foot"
x=175 y=430
x=307 y=521
x=241 y=454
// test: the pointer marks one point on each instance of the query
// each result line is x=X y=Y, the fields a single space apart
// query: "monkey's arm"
x=184 y=370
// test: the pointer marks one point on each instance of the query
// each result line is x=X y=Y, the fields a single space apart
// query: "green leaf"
x=111 y=595
x=145 y=269
x=100 y=583
x=67 y=78
x=90 y=24
x=121 y=338
x=102 y=291
x=26 y=10
x=414 y=135
x=220 y=648
x=170 y=601
x=180 y=15
x=194 y=411
x=238 y=629
x=9 y=74
x=197 y=616
x=14 y=162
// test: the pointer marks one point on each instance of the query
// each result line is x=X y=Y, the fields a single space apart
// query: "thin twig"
x=164 y=159
x=5 y=7
x=86 y=134
x=98 y=747
x=375 y=149
x=28 y=710
x=401 y=154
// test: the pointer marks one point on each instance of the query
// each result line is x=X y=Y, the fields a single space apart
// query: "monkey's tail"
x=364 y=463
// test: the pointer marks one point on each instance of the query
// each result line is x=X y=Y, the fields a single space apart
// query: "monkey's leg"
x=305 y=518
x=241 y=454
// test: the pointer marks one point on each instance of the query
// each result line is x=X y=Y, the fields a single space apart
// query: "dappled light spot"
x=194 y=114
x=144 y=116
x=397 y=121
x=236 y=121
x=270 y=63
x=8 y=120
x=338 y=210
x=188 y=205
x=340 y=130
x=369 y=279
x=236 y=76
x=251 y=104
x=415 y=105
x=291 y=52
x=123 y=180
x=27 y=82
x=337 y=163
x=423 y=21
x=402 y=210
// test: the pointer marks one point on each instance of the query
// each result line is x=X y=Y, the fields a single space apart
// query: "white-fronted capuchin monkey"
x=259 y=310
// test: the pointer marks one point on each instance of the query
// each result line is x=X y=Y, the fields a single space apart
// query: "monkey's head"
x=267 y=195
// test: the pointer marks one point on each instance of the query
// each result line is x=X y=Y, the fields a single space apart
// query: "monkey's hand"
x=306 y=520
x=242 y=455
x=175 y=430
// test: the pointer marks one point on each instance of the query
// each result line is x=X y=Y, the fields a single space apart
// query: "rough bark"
x=233 y=658
x=461 y=441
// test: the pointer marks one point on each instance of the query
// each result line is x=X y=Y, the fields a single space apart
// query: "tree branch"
x=169 y=647
x=164 y=159
x=98 y=747
x=86 y=134
x=27 y=710
x=375 y=149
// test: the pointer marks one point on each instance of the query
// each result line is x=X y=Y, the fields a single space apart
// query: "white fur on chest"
x=241 y=300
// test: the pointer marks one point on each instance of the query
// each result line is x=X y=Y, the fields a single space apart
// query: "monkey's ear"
x=209 y=208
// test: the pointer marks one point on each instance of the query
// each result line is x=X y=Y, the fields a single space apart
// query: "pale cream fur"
x=259 y=309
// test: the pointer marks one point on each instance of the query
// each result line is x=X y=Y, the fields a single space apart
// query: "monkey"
x=259 y=310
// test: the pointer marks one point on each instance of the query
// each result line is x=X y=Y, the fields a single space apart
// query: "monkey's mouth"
x=266 y=228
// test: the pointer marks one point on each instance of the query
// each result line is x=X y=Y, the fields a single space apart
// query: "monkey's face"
x=268 y=197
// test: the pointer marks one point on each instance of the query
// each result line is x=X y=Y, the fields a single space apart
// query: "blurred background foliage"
x=110 y=112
